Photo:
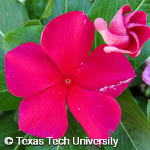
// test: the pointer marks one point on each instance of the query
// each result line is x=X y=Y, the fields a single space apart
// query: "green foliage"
x=105 y=9
x=148 y=111
x=133 y=131
x=124 y=141
x=1 y=54
x=48 y=10
x=7 y=100
x=8 y=129
x=134 y=122
x=144 y=54
x=62 y=6
x=35 y=8
x=39 y=9
x=22 y=35
x=32 y=22
x=12 y=15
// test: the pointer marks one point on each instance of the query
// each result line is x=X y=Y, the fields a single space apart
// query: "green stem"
x=4 y=91
x=140 y=5
x=17 y=146
x=1 y=33
x=66 y=6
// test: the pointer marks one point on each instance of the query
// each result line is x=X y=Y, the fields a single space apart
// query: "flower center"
x=68 y=81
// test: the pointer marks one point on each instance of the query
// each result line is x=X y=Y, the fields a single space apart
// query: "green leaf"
x=43 y=147
x=62 y=6
x=7 y=100
x=124 y=142
x=108 y=8
x=143 y=5
x=1 y=55
x=133 y=62
x=137 y=81
x=32 y=22
x=46 y=145
x=48 y=10
x=142 y=102
x=8 y=129
x=105 y=9
x=12 y=15
x=35 y=8
x=145 y=53
x=148 y=111
x=3 y=86
x=134 y=122
x=77 y=5
x=16 y=116
x=147 y=92
x=22 y=35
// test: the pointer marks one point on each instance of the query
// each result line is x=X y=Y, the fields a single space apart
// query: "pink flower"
x=146 y=73
x=60 y=71
x=126 y=33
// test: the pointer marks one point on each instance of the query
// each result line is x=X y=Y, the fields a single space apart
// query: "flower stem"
x=1 y=33
x=17 y=146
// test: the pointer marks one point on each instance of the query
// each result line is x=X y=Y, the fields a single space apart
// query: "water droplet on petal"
x=84 y=21
x=81 y=63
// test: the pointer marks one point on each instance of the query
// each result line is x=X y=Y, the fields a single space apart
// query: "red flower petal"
x=134 y=46
x=120 y=41
x=110 y=73
x=44 y=115
x=133 y=49
x=29 y=70
x=98 y=114
x=135 y=17
x=142 y=31
x=68 y=40
x=117 y=24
